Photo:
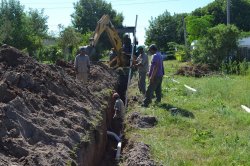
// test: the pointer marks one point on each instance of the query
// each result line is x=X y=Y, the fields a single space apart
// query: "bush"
x=182 y=54
x=216 y=46
x=235 y=67
x=179 y=55
x=50 y=53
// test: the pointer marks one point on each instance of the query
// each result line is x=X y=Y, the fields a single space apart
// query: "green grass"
x=210 y=127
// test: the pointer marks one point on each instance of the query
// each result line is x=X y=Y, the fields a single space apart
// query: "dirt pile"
x=139 y=121
x=137 y=154
x=194 y=70
x=46 y=115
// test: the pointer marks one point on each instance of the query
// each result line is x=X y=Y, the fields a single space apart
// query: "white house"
x=244 y=47
x=245 y=42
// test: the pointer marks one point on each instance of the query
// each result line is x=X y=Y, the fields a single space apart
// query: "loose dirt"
x=137 y=154
x=139 y=121
x=194 y=70
x=45 y=112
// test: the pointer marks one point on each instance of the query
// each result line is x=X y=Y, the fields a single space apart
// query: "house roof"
x=245 y=42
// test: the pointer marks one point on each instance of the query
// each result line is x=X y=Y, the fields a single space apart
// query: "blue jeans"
x=153 y=87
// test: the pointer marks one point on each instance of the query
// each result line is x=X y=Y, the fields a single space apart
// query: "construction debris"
x=245 y=108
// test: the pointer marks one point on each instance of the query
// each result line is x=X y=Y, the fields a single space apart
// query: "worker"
x=82 y=65
x=119 y=113
x=142 y=66
x=155 y=75
x=127 y=44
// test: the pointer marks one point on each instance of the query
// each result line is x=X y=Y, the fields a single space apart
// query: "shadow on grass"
x=176 y=111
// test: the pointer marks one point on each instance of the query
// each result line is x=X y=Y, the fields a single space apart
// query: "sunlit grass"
x=210 y=127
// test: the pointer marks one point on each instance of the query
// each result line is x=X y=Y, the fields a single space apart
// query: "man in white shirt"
x=82 y=65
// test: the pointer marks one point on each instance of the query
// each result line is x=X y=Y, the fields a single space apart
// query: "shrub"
x=182 y=54
x=235 y=67
x=50 y=53
x=218 y=44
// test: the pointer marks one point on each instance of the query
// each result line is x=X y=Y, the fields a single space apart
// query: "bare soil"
x=45 y=113
x=141 y=121
x=137 y=154
x=194 y=70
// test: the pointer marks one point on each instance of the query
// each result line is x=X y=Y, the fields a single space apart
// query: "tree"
x=217 y=45
x=69 y=39
x=88 y=12
x=6 y=30
x=19 y=29
x=11 y=22
x=197 y=26
x=36 y=28
x=240 y=13
x=165 y=28
x=38 y=22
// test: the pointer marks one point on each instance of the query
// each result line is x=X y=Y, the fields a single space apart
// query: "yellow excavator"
x=104 y=24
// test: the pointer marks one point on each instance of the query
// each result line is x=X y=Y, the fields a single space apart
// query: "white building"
x=244 y=47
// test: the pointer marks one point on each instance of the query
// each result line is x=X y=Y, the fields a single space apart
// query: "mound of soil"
x=137 y=154
x=194 y=70
x=45 y=112
x=139 y=121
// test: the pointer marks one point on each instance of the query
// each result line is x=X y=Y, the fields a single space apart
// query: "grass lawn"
x=208 y=127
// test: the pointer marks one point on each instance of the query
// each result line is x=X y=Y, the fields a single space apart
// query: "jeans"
x=153 y=87
x=142 y=82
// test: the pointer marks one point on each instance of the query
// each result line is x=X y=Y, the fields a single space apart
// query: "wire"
x=144 y=1
x=121 y=4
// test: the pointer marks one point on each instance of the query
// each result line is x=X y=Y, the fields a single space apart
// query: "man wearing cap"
x=156 y=73
x=82 y=65
x=142 y=65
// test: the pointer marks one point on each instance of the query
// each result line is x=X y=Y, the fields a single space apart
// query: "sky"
x=59 y=11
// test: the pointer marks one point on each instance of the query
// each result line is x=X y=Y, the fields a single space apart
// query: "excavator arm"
x=104 y=24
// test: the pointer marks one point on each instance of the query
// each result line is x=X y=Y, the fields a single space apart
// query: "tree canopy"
x=86 y=15
x=197 y=26
x=88 y=12
x=20 y=29
x=217 y=45
x=240 y=13
x=164 y=29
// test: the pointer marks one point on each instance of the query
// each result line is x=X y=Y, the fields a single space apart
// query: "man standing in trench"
x=82 y=65
x=142 y=65
x=155 y=74
x=119 y=114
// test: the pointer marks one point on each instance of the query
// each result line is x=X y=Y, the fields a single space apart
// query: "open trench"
x=102 y=150
x=48 y=118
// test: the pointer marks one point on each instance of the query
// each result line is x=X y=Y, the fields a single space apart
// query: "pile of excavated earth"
x=194 y=70
x=46 y=116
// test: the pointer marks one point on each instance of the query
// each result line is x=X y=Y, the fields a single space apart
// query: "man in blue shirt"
x=155 y=75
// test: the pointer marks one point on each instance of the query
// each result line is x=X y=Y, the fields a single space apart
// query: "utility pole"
x=228 y=12
x=185 y=31
x=131 y=62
